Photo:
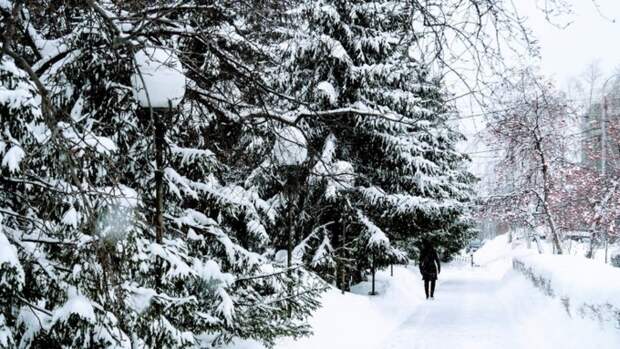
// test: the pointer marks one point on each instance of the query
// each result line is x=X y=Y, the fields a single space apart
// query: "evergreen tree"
x=127 y=226
x=383 y=169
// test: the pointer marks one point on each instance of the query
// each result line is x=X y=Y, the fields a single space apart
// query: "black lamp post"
x=159 y=86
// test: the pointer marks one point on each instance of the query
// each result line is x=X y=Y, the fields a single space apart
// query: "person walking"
x=429 y=268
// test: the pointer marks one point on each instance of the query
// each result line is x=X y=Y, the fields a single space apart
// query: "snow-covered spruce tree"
x=382 y=166
x=89 y=176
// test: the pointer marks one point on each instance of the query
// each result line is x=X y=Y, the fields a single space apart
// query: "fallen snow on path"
x=465 y=314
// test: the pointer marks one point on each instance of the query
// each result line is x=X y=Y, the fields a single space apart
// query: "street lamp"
x=290 y=151
x=159 y=86
x=158 y=81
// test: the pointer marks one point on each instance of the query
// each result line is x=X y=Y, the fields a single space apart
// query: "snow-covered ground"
x=357 y=320
x=490 y=306
x=479 y=309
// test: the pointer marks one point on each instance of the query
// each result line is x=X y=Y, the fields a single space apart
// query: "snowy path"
x=467 y=312
x=475 y=308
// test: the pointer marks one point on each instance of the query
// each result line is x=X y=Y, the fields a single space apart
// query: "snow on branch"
x=13 y=157
x=408 y=203
x=324 y=254
x=376 y=237
x=190 y=155
x=11 y=272
x=87 y=140
x=300 y=250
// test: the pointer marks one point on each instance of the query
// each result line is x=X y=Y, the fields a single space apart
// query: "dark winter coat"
x=429 y=264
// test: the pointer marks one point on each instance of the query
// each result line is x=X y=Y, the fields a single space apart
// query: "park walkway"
x=468 y=312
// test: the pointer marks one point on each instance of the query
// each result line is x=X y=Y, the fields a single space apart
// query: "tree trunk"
x=538 y=245
x=545 y=199
x=593 y=237
x=598 y=208
x=289 y=246
x=591 y=248
x=289 y=236
x=159 y=139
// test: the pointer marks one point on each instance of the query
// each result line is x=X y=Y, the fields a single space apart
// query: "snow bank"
x=499 y=249
x=542 y=322
x=493 y=250
x=585 y=287
x=357 y=320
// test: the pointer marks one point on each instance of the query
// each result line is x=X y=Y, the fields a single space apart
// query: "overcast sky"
x=592 y=34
